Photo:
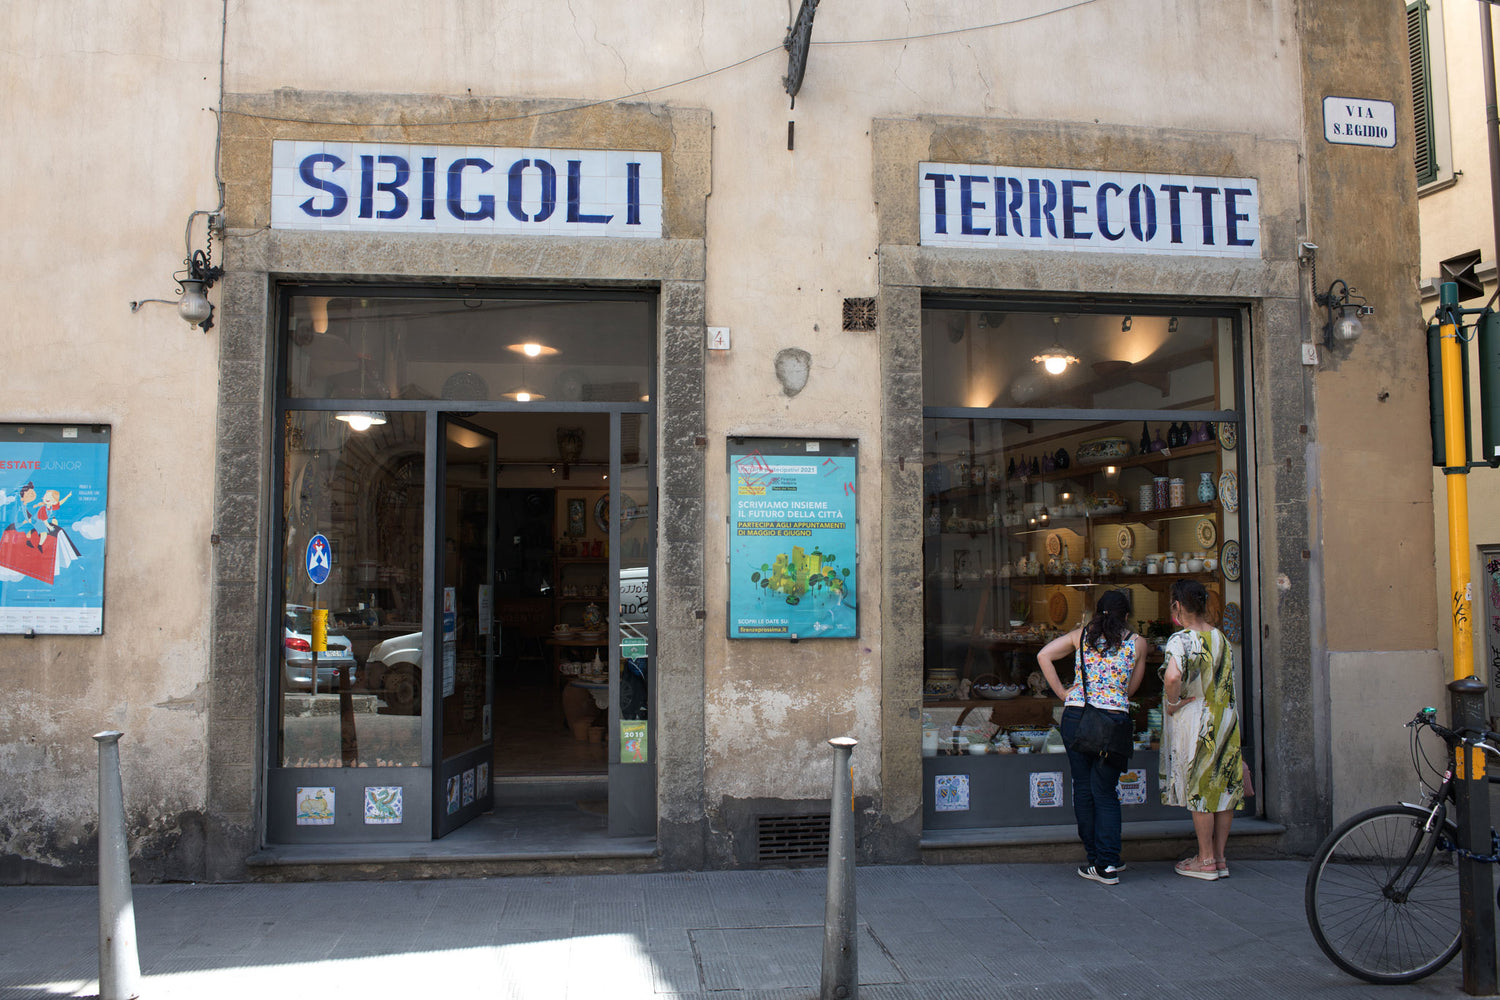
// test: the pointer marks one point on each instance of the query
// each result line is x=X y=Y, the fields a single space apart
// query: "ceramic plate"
x=1057 y=608
x=601 y=513
x=1228 y=434
x=1206 y=532
x=1229 y=492
x=1229 y=560
x=1054 y=544
x=1125 y=539
x=1232 y=624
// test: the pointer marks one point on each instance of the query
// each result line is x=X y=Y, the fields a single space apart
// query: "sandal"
x=1223 y=868
x=1202 y=868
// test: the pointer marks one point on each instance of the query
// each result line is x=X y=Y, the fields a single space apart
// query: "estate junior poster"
x=792 y=538
x=53 y=491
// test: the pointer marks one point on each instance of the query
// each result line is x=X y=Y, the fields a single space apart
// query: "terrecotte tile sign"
x=473 y=190
x=1057 y=209
x=1355 y=121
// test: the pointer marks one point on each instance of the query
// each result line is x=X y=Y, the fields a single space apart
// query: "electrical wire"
x=666 y=86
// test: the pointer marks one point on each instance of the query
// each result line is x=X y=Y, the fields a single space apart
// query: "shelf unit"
x=972 y=569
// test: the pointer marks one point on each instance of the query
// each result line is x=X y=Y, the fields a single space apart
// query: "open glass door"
x=632 y=771
x=463 y=699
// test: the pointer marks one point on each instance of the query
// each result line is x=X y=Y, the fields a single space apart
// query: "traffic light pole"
x=1476 y=881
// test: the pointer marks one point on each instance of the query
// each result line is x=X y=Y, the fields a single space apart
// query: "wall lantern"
x=1345 y=307
x=194 y=284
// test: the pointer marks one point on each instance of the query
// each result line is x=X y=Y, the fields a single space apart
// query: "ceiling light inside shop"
x=360 y=420
x=1055 y=360
x=523 y=395
x=532 y=349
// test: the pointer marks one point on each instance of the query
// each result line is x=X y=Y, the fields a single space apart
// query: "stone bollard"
x=840 y=950
x=119 y=963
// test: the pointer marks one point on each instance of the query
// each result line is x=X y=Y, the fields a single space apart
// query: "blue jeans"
x=1096 y=796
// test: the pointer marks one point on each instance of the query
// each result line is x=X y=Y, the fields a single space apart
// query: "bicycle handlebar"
x=1485 y=739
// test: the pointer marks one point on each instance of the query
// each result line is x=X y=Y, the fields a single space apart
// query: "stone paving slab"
x=926 y=933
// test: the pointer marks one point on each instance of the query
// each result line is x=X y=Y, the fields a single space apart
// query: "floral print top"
x=1108 y=674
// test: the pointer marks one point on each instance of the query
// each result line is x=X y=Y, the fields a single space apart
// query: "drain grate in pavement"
x=769 y=958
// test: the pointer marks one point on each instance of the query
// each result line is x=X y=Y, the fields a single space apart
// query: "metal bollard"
x=119 y=962
x=840 y=950
x=1476 y=881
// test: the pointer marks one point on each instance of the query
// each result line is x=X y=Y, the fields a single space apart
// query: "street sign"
x=1460 y=271
x=318 y=561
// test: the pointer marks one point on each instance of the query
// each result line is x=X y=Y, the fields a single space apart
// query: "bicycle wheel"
x=1382 y=896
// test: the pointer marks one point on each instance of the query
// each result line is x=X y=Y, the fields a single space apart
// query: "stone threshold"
x=1068 y=833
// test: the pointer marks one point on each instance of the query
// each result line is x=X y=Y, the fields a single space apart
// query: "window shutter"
x=1421 y=90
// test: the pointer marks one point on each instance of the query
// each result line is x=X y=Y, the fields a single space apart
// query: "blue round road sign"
x=319 y=560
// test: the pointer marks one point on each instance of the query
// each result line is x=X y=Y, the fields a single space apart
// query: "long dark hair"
x=1110 y=625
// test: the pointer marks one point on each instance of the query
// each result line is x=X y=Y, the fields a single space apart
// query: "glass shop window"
x=1030 y=515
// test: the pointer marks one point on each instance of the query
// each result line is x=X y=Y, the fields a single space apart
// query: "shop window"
x=357 y=703
x=1120 y=466
x=476 y=347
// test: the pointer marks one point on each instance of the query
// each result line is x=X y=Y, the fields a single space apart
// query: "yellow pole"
x=1456 y=454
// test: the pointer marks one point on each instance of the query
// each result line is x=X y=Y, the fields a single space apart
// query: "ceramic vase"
x=1206 y=490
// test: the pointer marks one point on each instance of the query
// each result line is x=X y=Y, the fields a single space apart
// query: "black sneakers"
x=1105 y=877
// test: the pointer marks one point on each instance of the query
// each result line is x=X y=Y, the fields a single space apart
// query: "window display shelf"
x=1151 y=460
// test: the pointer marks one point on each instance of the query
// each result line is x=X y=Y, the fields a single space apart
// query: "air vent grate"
x=791 y=838
x=859 y=315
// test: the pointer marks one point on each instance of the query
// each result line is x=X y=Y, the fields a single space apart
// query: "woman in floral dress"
x=1201 y=766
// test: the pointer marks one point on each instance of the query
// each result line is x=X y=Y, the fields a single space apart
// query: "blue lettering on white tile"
x=1034 y=208
x=369 y=187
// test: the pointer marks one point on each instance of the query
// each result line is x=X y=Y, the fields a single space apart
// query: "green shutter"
x=1421 y=90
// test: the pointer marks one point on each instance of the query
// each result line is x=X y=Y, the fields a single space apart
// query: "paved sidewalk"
x=956 y=932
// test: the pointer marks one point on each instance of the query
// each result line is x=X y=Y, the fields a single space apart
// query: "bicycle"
x=1382 y=894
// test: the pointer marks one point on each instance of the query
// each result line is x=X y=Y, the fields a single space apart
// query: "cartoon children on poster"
x=34 y=543
x=53 y=502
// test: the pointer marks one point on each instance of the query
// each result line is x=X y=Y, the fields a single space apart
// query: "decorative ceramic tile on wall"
x=315 y=805
x=1046 y=789
x=382 y=804
x=951 y=793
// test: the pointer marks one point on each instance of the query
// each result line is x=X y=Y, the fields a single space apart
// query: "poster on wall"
x=793 y=565
x=53 y=496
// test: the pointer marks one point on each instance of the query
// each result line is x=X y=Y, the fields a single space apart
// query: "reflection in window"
x=359 y=703
x=999 y=359
x=473 y=348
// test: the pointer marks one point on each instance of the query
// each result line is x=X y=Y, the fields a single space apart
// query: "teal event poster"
x=793 y=567
x=53 y=495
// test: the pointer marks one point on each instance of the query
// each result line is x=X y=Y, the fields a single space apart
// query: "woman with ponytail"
x=1112 y=659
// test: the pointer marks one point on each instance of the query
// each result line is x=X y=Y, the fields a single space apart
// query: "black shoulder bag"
x=1098 y=731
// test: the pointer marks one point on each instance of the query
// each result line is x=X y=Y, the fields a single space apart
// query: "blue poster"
x=53 y=492
x=792 y=539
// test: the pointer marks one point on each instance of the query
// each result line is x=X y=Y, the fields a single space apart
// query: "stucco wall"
x=765 y=240
x=99 y=176
x=1371 y=491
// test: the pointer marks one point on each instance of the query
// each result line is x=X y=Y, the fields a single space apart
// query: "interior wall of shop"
x=1455 y=218
x=1373 y=615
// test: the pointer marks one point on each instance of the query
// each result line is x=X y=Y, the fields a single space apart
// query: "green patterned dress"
x=1200 y=759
